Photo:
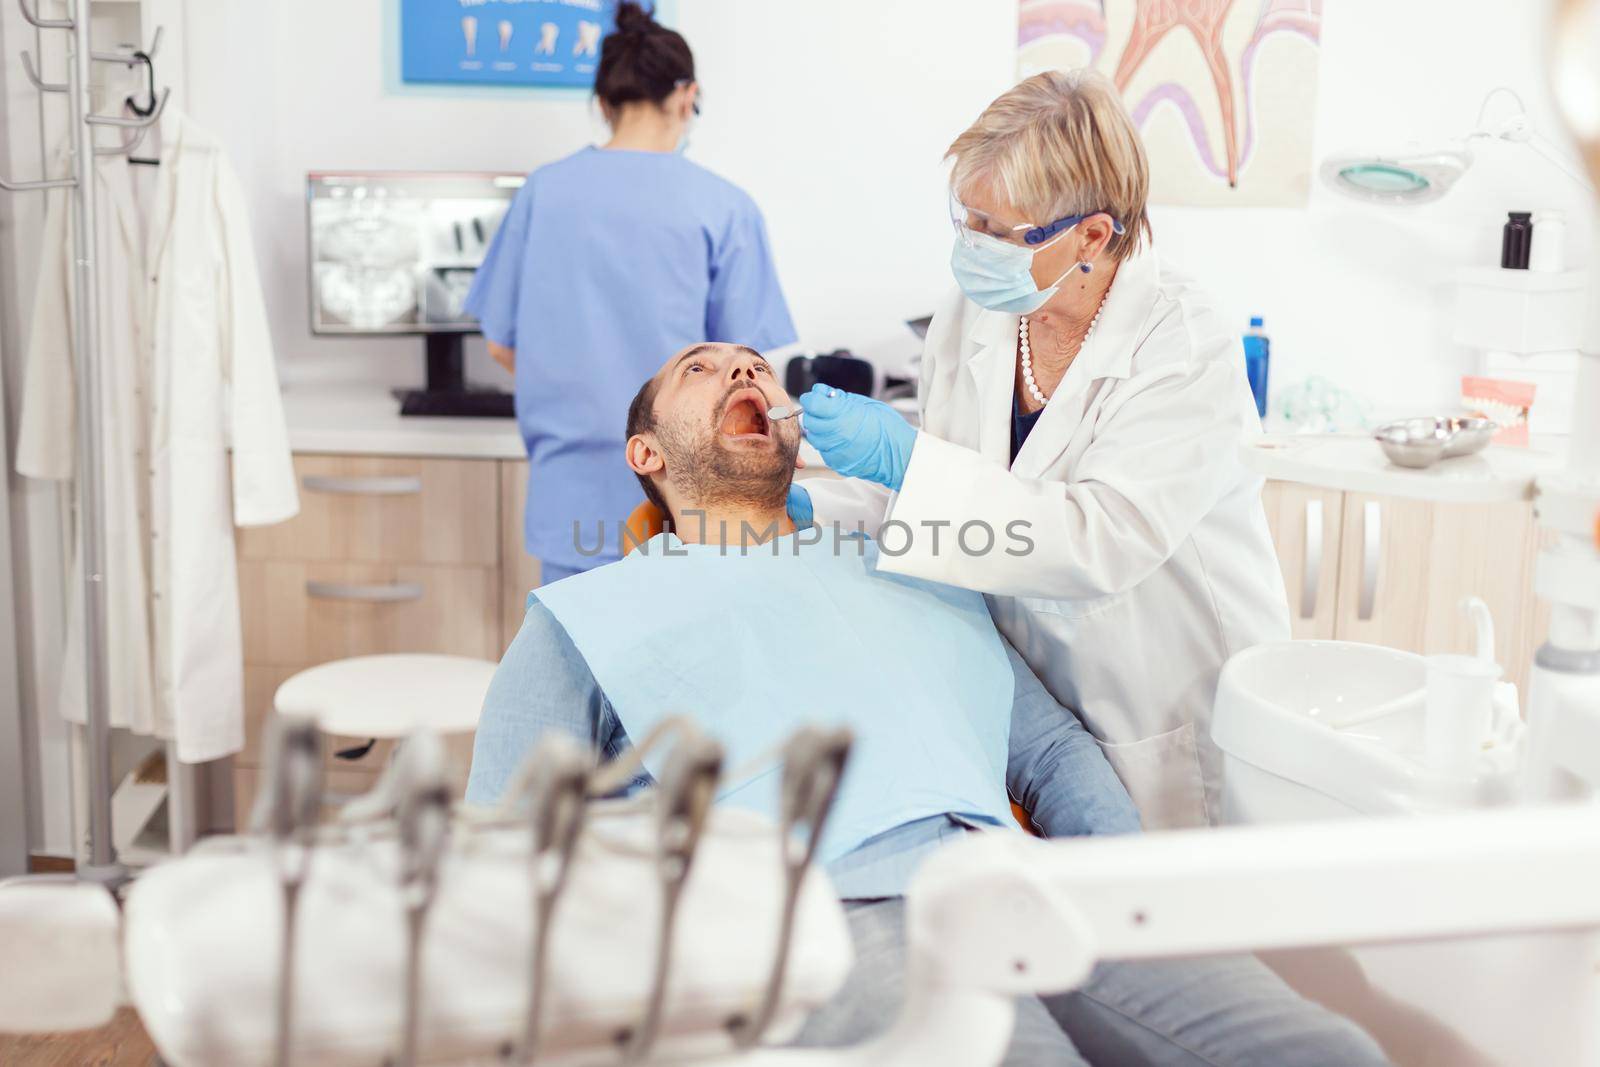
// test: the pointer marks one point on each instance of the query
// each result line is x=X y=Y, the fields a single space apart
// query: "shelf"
x=1520 y=311
x=1523 y=281
x=1355 y=463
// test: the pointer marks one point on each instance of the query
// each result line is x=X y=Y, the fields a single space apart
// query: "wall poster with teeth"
x=528 y=43
x=1224 y=92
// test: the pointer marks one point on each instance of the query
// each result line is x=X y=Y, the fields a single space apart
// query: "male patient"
x=755 y=629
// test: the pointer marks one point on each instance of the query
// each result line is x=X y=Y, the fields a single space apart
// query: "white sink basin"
x=1333 y=728
x=1338 y=683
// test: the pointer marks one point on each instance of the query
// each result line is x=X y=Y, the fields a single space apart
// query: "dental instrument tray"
x=558 y=924
x=1422 y=442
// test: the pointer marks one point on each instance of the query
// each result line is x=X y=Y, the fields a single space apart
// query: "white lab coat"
x=1151 y=562
x=187 y=372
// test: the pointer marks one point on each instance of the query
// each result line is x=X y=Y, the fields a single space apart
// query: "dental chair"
x=645 y=522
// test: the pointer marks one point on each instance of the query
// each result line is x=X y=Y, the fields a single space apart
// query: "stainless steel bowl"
x=1469 y=434
x=1422 y=442
x=1413 y=442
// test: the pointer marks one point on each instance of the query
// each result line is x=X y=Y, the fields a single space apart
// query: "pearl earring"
x=1086 y=267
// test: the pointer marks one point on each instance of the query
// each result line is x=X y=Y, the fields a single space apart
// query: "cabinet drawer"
x=247 y=780
x=345 y=781
x=298 y=614
x=383 y=509
x=1305 y=523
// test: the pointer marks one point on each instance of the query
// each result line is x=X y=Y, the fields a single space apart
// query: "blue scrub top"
x=608 y=262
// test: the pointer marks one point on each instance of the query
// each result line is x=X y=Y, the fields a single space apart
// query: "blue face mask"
x=998 y=275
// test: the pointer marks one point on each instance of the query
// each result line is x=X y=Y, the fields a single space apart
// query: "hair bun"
x=633 y=18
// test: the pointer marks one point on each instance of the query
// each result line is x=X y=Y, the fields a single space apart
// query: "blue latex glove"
x=858 y=437
x=800 y=506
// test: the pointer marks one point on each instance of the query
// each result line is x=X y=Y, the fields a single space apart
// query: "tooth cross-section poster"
x=1224 y=92
x=550 y=43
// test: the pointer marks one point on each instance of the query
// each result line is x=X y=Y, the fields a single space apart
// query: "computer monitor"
x=395 y=253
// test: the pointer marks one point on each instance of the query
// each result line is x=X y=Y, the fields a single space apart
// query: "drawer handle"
x=1311 y=575
x=372 y=594
x=398 y=485
x=1371 y=558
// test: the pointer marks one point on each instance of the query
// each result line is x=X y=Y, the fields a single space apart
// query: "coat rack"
x=103 y=865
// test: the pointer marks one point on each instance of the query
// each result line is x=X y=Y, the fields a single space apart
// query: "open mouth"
x=745 y=417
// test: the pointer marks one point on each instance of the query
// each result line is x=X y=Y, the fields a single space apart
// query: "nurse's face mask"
x=993 y=257
x=693 y=88
x=713 y=432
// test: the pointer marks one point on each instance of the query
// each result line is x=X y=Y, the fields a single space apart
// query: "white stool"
x=389 y=696
x=393 y=697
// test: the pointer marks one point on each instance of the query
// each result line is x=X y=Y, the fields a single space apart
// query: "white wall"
x=837 y=133
x=1362 y=295
x=834 y=114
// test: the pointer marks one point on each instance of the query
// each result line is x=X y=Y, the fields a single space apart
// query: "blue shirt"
x=1055 y=770
x=606 y=263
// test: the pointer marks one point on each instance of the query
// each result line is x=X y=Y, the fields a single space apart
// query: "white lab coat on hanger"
x=187 y=372
x=1151 y=561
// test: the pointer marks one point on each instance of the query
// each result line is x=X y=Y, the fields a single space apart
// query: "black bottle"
x=1516 y=241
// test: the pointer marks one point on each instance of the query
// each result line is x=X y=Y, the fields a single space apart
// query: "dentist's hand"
x=799 y=506
x=858 y=437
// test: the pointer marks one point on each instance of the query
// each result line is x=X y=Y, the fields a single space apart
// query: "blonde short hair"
x=1060 y=143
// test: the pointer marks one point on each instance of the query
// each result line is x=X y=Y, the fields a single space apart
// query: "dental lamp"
x=1421 y=173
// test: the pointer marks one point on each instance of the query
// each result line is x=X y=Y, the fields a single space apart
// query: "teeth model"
x=505 y=34
x=1507 y=414
x=588 y=39
x=469 y=30
x=547 y=39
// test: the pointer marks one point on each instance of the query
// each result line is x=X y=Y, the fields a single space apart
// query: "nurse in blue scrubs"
x=607 y=261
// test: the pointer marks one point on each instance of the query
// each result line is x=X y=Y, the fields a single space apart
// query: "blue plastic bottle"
x=1257 y=355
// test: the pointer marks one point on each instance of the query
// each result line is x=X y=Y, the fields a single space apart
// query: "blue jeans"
x=1217 y=1012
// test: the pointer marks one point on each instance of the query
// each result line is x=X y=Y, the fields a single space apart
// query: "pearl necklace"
x=1027 y=352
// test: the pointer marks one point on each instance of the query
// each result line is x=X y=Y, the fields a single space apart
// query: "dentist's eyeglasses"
x=970 y=223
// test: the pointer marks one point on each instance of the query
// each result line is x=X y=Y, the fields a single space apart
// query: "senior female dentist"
x=1082 y=407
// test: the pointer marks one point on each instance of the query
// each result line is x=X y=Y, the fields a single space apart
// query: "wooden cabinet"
x=1393 y=572
x=246 y=780
x=388 y=554
x=1383 y=571
x=383 y=509
x=302 y=613
x=519 y=572
x=1305 y=524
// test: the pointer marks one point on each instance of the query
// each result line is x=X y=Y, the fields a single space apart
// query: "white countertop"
x=1355 y=463
x=366 y=421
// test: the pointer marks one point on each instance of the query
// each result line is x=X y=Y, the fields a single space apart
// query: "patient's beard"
x=707 y=474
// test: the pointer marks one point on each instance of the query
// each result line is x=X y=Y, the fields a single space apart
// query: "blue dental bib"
x=753 y=643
